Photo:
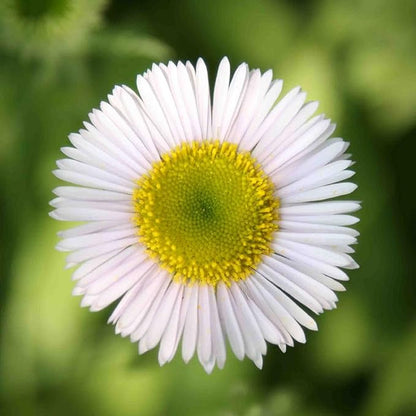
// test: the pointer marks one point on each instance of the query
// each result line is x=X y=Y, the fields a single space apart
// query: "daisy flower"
x=210 y=219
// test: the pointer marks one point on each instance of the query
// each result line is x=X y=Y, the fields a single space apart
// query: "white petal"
x=302 y=280
x=113 y=138
x=126 y=300
x=91 y=155
x=121 y=286
x=220 y=96
x=321 y=193
x=168 y=343
x=158 y=81
x=168 y=338
x=118 y=206
x=254 y=343
x=229 y=321
x=204 y=344
x=297 y=226
x=93 y=227
x=139 y=304
x=92 y=182
x=137 y=262
x=325 y=254
x=271 y=294
x=88 y=194
x=153 y=110
x=107 y=145
x=187 y=86
x=141 y=154
x=128 y=104
x=90 y=265
x=296 y=312
x=137 y=315
x=341 y=220
x=302 y=142
x=269 y=331
x=274 y=136
x=83 y=254
x=289 y=287
x=203 y=98
x=323 y=155
x=94 y=268
x=250 y=138
x=218 y=342
x=90 y=214
x=321 y=208
x=320 y=266
x=273 y=116
x=234 y=99
x=182 y=317
x=312 y=273
x=325 y=239
x=256 y=88
x=319 y=177
x=145 y=316
x=311 y=147
x=188 y=125
x=89 y=240
x=190 y=331
x=269 y=306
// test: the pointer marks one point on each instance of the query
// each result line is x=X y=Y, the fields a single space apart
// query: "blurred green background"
x=60 y=58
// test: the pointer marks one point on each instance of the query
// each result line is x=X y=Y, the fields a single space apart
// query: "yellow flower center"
x=206 y=212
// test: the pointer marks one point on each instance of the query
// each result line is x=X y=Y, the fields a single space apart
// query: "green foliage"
x=60 y=58
x=48 y=29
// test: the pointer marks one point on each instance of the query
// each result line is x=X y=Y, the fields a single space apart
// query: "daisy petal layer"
x=309 y=251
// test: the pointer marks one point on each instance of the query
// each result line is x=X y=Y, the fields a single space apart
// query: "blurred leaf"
x=310 y=66
x=48 y=29
x=192 y=392
x=374 y=42
x=42 y=322
x=112 y=386
x=257 y=31
x=129 y=44
x=394 y=387
x=345 y=340
x=389 y=89
x=8 y=135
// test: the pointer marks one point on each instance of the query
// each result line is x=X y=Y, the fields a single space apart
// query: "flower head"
x=211 y=222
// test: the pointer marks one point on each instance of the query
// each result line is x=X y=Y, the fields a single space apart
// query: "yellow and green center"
x=206 y=212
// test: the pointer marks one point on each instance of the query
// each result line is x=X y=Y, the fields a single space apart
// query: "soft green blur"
x=60 y=58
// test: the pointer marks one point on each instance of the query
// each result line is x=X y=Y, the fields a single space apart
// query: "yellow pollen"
x=206 y=212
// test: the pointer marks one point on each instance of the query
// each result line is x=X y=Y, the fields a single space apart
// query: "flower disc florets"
x=207 y=212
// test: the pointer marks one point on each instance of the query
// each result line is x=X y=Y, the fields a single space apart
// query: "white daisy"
x=211 y=222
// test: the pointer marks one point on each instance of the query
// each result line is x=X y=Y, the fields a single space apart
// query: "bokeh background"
x=60 y=58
